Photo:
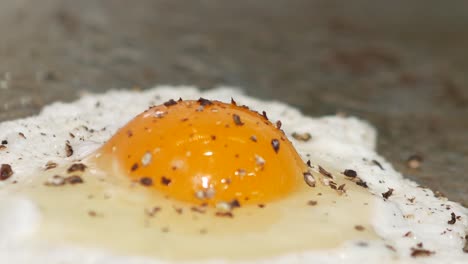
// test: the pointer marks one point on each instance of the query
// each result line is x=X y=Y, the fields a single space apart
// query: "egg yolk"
x=206 y=152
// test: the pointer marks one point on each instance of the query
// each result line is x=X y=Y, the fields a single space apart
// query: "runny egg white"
x=143 y=177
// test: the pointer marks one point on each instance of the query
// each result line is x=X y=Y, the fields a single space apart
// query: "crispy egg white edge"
x=338 y=140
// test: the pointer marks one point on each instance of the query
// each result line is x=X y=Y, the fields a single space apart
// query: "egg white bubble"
x=343 y=142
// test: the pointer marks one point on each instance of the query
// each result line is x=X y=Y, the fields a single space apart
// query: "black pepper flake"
x=350 y=173
x=342 y=187
x=362 y=183
x=178 y=210
x=234 y=204
x=253 y=138
x=309 y=179
x=129 y=133
x=226 y=181
x=75 y=179
x=224 y=214
x=301 y=136
x=312 y=203
x=275 y=144
x=453 y=219
x=278 y=124
x=21 y=135
x=388 y=193
x=68 y=149
x=213 y=137
x=325 y=173
x=92 y=213
x=76 y=167
x=50 y=165
x=264 y=114
x=417 y=252
x=204 y=102
x=237 y=120
x=134 y=167
x=152 y=212
x=359 y=228
x=5 y=172
x=165 y=181
x=261 y=206
x=197 y=210
x=4 y=142
x=71 y=135
x=378 y=164
x=170 y=103
x=146 y=181
x=233 y=102
x=408 y=234
x=309 y=164
x=390 y=248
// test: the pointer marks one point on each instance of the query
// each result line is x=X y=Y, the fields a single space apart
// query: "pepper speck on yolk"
x=206 y=152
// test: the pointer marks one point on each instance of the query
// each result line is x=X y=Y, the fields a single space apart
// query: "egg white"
x=344 y=143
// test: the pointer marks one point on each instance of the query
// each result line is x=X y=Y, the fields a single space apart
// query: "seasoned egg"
x=203 y=180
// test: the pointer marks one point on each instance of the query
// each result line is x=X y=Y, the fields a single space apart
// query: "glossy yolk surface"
x=205 y=152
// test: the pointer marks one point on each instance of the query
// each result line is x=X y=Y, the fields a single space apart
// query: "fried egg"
x=181 y=175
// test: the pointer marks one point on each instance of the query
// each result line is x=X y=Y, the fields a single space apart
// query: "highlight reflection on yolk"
x=206 y=152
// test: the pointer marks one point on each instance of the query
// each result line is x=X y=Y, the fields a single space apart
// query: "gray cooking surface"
x=401 y=65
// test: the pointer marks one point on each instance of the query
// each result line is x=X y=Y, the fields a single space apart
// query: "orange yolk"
x=206 y=152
